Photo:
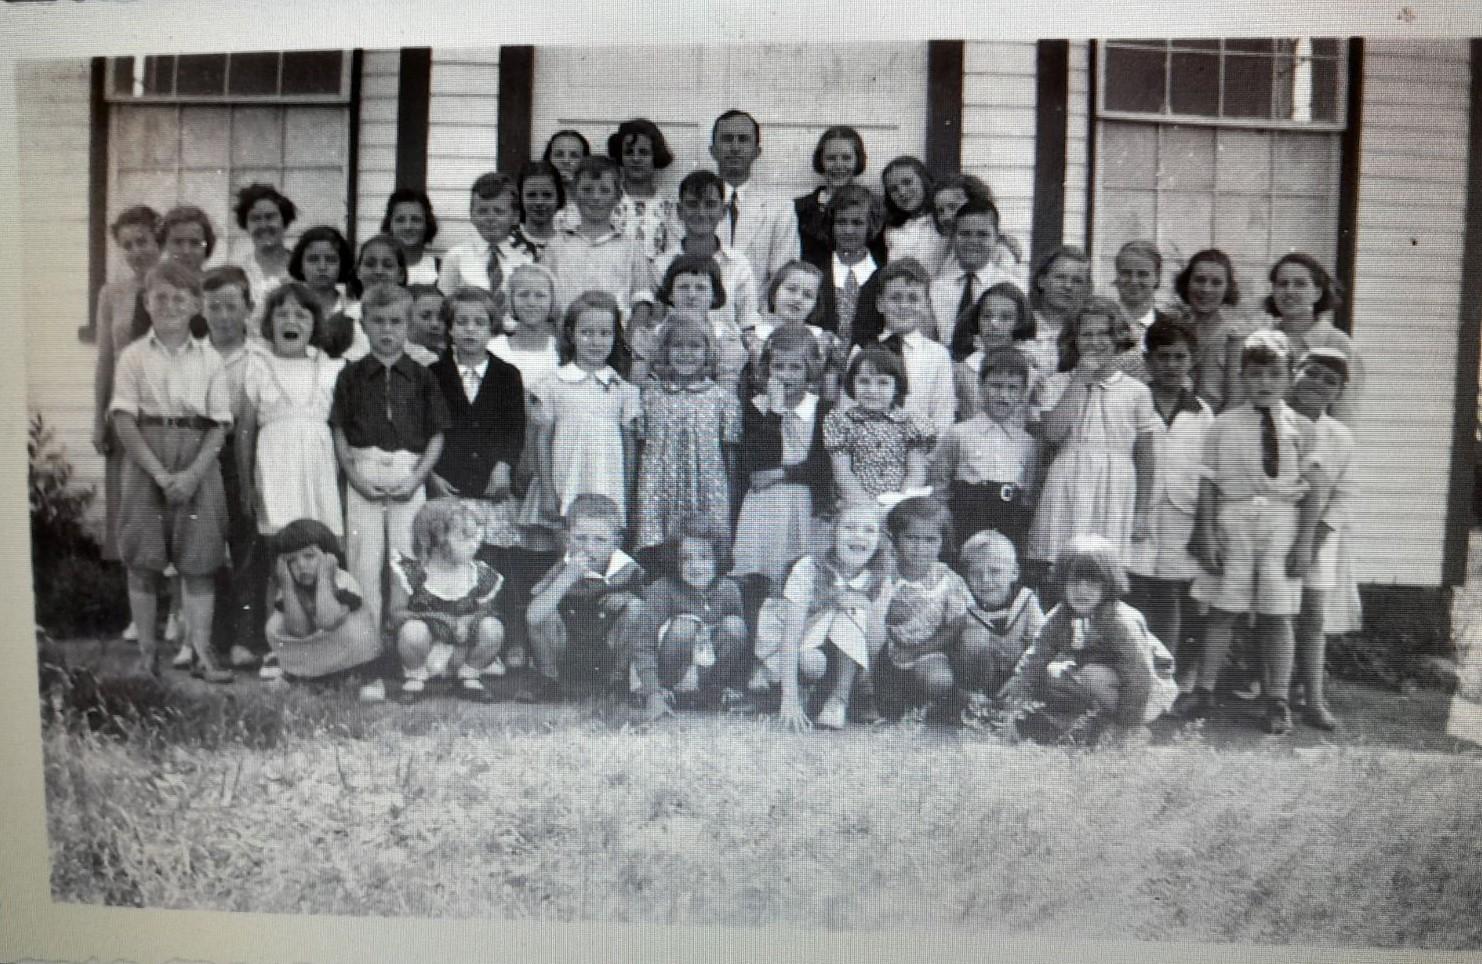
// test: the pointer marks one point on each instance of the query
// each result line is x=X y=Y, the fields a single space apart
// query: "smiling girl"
x=910 y=231
x=410 y=220
x=1102 y=430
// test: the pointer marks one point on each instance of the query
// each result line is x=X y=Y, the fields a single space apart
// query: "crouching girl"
x=1095 y=654
x=442 y=603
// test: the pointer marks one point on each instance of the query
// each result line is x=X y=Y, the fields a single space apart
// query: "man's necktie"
x=734 y=213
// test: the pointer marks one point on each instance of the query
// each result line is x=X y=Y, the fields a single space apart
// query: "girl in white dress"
x=285 y=452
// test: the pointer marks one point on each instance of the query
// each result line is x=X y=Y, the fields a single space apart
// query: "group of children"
x=846 y=479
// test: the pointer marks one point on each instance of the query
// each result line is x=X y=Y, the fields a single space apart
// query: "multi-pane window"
x=193 y=129
x=1289 y=81
x=300 y=75
x=1234 y=144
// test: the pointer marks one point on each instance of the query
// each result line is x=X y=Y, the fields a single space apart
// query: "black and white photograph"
x=1005 y=487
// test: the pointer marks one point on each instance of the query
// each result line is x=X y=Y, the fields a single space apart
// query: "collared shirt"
x=396 y=409
x=1232 y=454
x=981 y=450
x=472 y=376
x=467 y=264
x=1178 y=462
x=946 y=292
x=234 y=370
x=610 y=263
x=152 y=379
x=1332 y=446
x=766 y=229
x=862 y=270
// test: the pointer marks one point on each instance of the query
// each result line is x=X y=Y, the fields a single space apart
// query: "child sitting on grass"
x=442 y=603
x=1004 y=618
x=1094 y=655
x=691 y=633
x=583 y=606
x=319 y=625
x=926 y=612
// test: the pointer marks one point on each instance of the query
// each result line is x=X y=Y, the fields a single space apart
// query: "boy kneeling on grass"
x=583 y=607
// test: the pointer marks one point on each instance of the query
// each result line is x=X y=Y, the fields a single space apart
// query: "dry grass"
x=316 y=806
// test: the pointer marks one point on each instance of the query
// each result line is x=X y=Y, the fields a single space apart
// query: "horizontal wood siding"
x=379 y=80
x=998 y=87
x=462 y=135
x=1077 y=143
x=52 y=131
x=1407 y=284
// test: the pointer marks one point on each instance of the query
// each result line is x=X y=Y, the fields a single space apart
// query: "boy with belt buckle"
x=388 y=418
x=170 y=410
x=985 y=467
x=1256 y=520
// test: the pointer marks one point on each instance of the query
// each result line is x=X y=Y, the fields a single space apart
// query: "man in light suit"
x=757 y=224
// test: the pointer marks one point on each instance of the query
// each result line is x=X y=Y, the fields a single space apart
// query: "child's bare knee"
x=1102 y=684
x=812 y=664
x=413 y=638
x=490 y=632
x=680 y=632
x=936 y=680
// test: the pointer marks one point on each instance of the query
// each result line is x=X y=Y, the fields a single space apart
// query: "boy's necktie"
x=965 y=303
x=496 y=272
x=848 y=298
x=471 y=382
x=1270 y=449
x=895 y=343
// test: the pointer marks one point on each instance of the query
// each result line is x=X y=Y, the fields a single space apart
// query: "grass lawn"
x=289 y=799
x=572 y=813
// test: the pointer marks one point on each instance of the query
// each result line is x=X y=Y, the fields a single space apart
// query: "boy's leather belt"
x=178 y=421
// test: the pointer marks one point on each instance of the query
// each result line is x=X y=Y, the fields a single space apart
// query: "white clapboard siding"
x=380 y=80
x=1406 y=312
x=462 y=135
x=998 y=103
x=1077 y=143
x=52 y=128
x=794 y=90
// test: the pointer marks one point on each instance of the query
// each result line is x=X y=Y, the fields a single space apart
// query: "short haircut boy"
x=467 y=295
x=593 y=506
x=906 y=269
x=596 y=166
x=174 y=275
x=855 y=195
x=1005 y=361
x=933 y=512
x=697 y=184
x=986 y=544
x=1266 y=347
x=387 y=295
x=1170 y=331
x=225 y=276
x=978 y=208
x=493 y=184
x=1146 y=249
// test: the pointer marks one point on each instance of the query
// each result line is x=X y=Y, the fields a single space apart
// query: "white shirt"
x=766 y=229
x=472 y=377
x=467 y=264
x=862 y=270
x=152 y=379
x=931 y=390
x=946 y=292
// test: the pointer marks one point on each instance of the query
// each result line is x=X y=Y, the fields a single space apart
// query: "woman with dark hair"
x=910 y=231
x=839 y=157
x=643 y=213
x=1208 y=289
x=410 y=220
x=564 y=151
x=1303 y=298
x=265 y=214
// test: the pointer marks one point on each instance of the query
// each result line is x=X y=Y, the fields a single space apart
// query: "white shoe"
x=373 y=692
x=833 y=716
x=172 y=629
x=131 y=633
x=270 y=670
x=495 y=668
x=241 y=657
x=184 y=658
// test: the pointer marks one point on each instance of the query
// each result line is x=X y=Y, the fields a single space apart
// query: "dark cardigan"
x=761 y=449
x=486 y=431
